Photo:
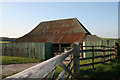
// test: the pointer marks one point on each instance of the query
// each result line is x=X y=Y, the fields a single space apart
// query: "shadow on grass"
x=111 y=70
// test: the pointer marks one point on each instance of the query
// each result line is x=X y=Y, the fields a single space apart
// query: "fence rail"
x=47 y=68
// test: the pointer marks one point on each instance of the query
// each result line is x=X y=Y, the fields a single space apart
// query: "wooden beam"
x=103 y=54
x=93 y=58
x=76 y=62
x=60 y=48
x=43 y=69
x=61 y=75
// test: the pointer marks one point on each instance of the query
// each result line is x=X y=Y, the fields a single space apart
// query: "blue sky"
x=100 y=18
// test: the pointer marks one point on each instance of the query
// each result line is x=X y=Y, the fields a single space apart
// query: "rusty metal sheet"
x=57 y=31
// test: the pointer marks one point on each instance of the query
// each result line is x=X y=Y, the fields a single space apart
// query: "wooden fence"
x=47 y=68
x=108 y=43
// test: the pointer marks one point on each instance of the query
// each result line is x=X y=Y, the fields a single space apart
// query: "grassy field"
x=108 y=70
x=18 y=60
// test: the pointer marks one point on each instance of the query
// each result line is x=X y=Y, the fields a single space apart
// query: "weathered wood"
x=96 y=57
x=61 y=75
x=115 y=50
x=69 y=74
x=81 y=54
x=93 y=58
x=108 y=60
x=33 y=53
x=109 y=55
x=66 y=69
x=41 y=70
x=60 y=49
x=90 y=64
x=51 y=74
x=6 y=51
x=103 y=54
x=76 y=62
x=112 y=53
x=29 y=52
x=96 y=50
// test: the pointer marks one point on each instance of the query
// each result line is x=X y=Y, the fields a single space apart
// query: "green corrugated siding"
x=48 y=50
x=42 y=50
x=108 y=43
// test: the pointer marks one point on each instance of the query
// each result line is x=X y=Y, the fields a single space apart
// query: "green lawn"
x=14 y=60
x=108 y=70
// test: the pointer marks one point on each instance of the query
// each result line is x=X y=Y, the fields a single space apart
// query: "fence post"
x=81 y=48
x=6 y=50
x=60 y=51
x=103 y=54
x=76 y=62
x=110 y=53
x=116 y=49
x=34 y=53
x=92 y=57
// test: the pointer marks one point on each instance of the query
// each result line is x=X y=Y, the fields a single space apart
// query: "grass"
x=108 y=70
x=4 y=76
x=57 y=71
x=17 y=60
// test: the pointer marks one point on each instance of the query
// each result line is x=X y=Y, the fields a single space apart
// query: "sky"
x=19 y=18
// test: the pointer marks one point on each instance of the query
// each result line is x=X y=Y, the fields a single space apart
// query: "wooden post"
x=81 y=54
x=60 y=48
x=92 y=57
x=103 y=54
x=76 y=62
x=110 y=53
x=33 y=53
x=6 y=51
x=112 y=56
x=29 y=52
x=116 y=49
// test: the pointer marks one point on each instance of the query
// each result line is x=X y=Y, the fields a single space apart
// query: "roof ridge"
x=58 y=20
x=88 y=33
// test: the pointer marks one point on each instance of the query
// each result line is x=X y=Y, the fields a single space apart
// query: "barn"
x=61 y=33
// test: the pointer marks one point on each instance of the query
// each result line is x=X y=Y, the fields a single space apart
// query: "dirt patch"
x=12 y=68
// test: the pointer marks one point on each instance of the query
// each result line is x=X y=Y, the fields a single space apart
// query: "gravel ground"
x=12 y=68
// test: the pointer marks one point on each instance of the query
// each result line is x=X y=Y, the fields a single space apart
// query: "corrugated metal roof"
x=92 y=38
x=57 y=31
x=54 y=38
